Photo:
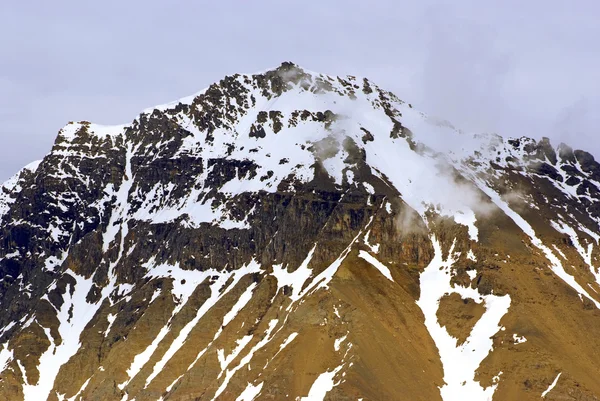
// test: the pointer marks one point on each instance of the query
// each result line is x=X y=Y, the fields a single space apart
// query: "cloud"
x=578 y=124
x=464 y=72
x=512 y=68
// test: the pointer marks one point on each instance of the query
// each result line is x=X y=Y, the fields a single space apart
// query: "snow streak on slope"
x=121 y=207
x=551 y=386
x=70 y=329
x=250 y=393
x=555 y=263
x=215 y=296
x=460 y=363
x=383 y=269
x=586 y=254
x=246 y=360
x=184 y=284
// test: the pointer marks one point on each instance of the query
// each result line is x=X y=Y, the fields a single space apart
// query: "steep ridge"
x=293 y=235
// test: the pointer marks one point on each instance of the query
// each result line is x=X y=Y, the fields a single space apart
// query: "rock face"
x=292 y=235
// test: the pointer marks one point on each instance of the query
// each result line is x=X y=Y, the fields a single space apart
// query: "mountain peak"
x=294 y=235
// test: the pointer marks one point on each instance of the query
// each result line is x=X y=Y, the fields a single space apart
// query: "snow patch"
x=459 y=362
x=297 y=278
x=519 y=339
x=383 y=269
x=225 y=361
x=111 y=319
x=250 y=393
x=551 y=386
x=322 y=385
x=374 y=248
x=338 y=342
x=6 y=356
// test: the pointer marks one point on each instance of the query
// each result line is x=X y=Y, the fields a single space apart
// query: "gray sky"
x=517 y=67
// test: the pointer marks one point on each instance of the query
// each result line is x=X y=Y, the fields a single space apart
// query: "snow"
x=242 y=301
x=383 y=269
x=336 y=312
x=6 y=356
x=52 y=262
x=551 y=386
x=7 y=328
x=155 y=295
x=120 y=210
x=374 y=248
x=250 y=393
x=250 y=268
x=335 y=165
x=197 y=212
x=589 y=232
x=169 y=106
x=229 y=316
x=323 y=279
x=33 y=166
x=81 y=390
x=297 y=278
x=459 y=362
x=322 y=385
x=586 y=254
x=106 y=130
x=287 y=342
x=467 y=218
x=246 y=360
x=70 y=330
x=111 y=320
x=140 y=360
x=423 y=178
x=241 y=344
x=184 y=284
x=555 y=263
x=170 y=386
x=184 y=281
x=338 y=342
x=519 y=339
x=23 y=372
x=350 y=176
x=12 y=183
x=561 y=253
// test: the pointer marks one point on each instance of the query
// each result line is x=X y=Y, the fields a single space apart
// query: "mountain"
x=291 y=235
